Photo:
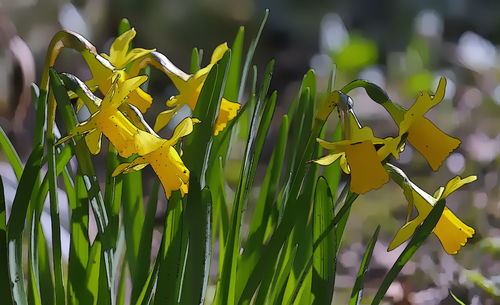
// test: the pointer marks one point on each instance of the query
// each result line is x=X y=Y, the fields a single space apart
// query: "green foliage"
x=256 y=241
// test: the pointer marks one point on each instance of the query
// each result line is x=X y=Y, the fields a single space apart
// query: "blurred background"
x=403 y=46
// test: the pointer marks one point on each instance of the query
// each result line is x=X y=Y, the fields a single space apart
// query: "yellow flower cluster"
x=118 y=116
x=365 y=157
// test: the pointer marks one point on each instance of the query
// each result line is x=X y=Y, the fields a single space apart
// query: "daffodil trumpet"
x=450 y=230
x=163 y=158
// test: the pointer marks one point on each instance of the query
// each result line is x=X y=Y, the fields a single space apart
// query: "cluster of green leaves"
x=288 y=254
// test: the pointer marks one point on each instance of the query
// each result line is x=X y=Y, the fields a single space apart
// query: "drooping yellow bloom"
x=423 y=135
x=102 y=67
x=359 y=157
x=189 y=92
x=163 y=158
x=110 y=121
x=130 y=140
x=450 y=230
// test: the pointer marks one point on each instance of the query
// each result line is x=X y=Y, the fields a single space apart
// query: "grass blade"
x=11 y=154
x=249 y=56
x=143 y=261
x=357 y=289
x=79 y=243
x=261 y=120
x=16 y=224
x=198 y=221
x=4 y=275
x=133 y=221
x=264 y=205
x=324 y=259
x=90 y=179
x=170 y=259
x=195 y=61
x=416 y=241
x=233 y=76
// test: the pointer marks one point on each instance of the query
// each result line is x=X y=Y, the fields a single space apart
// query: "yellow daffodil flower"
x=189 y=91
x=120 y=53
x=102 y=67
x=163 y=158
x=450 y=230
x=423 y=135
x=110 y=121
x=359 y=156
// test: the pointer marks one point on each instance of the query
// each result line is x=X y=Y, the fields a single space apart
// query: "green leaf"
x=11 y=154
x=198 y=222
x=92 y=274
x=15 y=226
x=170 y=259
x=45 y=273
x=123 y=26
x=357 y=289
x=416 y=241
x=195 y=61
x=143 y=261
x=278 y=289
x=120 y=295
x=55 y=221
x=264 y=205
x=291 y=207
x=324 y=258
x=79 y=243
x=40 y=101
x=233 y=76
x=249 y=56
x=261 y=120
x=133 y=222
x=4 y=275
x=86 y=169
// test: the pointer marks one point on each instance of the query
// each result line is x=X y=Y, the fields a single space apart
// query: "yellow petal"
x=93 y=140
x=124 y=168
x=82 y=128
x=343 y=165
x=140 y=99
x=328 y=159
x=218 y=53
x=99 y=67
x=164 y=118
x=120 y=55
x=431 y=142
x=422 y=105
x=452 y=232
x=455 y=184
x=183 y=129
x=228 y=110
x=367 y=173
x=404 y=233
x=125 y=87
